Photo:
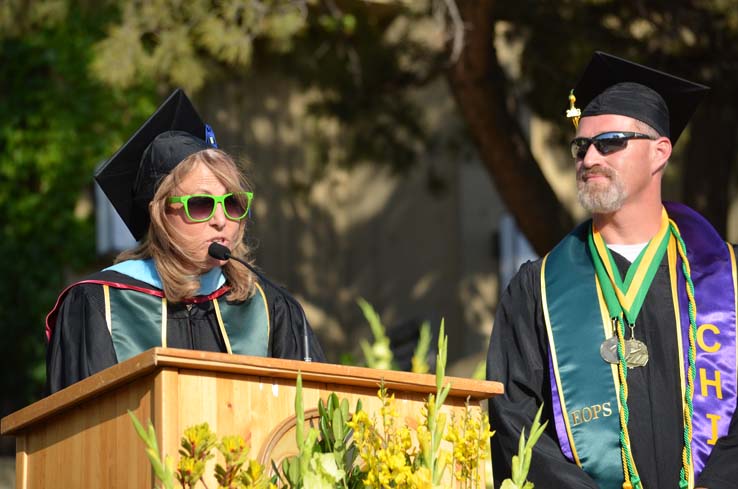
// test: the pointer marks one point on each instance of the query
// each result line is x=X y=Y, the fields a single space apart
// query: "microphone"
x=220 y=252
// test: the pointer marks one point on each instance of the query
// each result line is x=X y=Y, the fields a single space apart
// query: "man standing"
x=626 y=330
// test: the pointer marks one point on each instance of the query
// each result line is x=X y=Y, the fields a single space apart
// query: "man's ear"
x=661 y=152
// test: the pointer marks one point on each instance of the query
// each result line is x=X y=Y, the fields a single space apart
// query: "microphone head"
x=219 y=252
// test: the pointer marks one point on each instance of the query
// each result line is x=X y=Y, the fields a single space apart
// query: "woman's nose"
x=219 y=218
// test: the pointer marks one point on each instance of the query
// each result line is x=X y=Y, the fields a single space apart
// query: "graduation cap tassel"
x=573 y=113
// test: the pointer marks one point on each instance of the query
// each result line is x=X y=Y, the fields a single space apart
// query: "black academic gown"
x=518 y=357
x=80 y=344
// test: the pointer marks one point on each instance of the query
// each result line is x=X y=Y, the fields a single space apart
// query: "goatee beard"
x=600 y=197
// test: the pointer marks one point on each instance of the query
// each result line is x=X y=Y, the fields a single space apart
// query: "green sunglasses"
x=201 y=207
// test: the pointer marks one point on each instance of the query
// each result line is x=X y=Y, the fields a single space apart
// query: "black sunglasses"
x=606 y=143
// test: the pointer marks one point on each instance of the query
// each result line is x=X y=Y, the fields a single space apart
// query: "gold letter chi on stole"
x=704 y=382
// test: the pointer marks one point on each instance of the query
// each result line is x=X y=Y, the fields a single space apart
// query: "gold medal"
x=636 y=353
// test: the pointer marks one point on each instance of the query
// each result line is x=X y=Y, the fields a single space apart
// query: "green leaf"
x=322 y=411
x=379 y=354
x=515 y=468
x=480 y=371
x=299 y=412
x=333 y=402
x=441 y=356
x=537 y=428
x=163 y=470
x=326 y=433
x=345 y=409
x=338 y=425
x=522 y=461
x=526 y=462
x=521 y=443
x=326 y=464
x=139 y=428
x=419 y=361
x=291 y=469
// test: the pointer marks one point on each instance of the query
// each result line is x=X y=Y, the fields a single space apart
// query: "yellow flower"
x=422 y=479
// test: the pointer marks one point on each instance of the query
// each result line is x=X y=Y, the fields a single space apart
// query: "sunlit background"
x=411 y=153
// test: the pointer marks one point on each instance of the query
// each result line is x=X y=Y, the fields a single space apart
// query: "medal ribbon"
x=627 y=296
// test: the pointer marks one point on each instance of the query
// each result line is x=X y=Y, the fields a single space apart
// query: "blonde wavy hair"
x=162 y=242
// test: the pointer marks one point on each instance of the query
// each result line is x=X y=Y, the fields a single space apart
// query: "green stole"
x=588 y=388
x=137 y=321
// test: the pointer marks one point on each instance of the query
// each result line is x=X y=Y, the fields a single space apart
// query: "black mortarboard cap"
x=612 y=85
x=132 y=175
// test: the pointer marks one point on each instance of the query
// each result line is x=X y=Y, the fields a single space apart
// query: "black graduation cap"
x=130 y=177
x=612 y=85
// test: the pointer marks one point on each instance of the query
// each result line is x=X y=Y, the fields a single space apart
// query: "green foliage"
x=470 y=435
x=314 y=466
x=360 y=61
x=686 y=37
x=419 y=361
x=392 y=459
x=377 y=354
x=197 y=444
x=330 y=461
x=480 y=371
x=20 y=16
x=58 y=123
x=521 y=462
x=328 y=456
x=184 y=43
x=239 y=471
x=336 y=437
x=435 y=419
x=163 y=470
x=235 y=453
x=364 y=64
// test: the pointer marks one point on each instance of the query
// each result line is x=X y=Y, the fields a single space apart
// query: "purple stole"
x=712 y=265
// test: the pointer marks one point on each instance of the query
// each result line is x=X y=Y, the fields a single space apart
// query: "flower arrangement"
x=410 y=455
x=353 y=450
x=237 y=471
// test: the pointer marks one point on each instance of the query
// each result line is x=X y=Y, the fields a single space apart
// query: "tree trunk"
x=479 y=86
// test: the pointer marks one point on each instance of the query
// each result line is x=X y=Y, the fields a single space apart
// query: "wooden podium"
x=82 y=436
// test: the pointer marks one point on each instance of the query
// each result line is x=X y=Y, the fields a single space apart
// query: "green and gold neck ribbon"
x=627 y=296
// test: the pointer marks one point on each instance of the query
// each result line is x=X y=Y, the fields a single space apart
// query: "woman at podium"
x=181 y=197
